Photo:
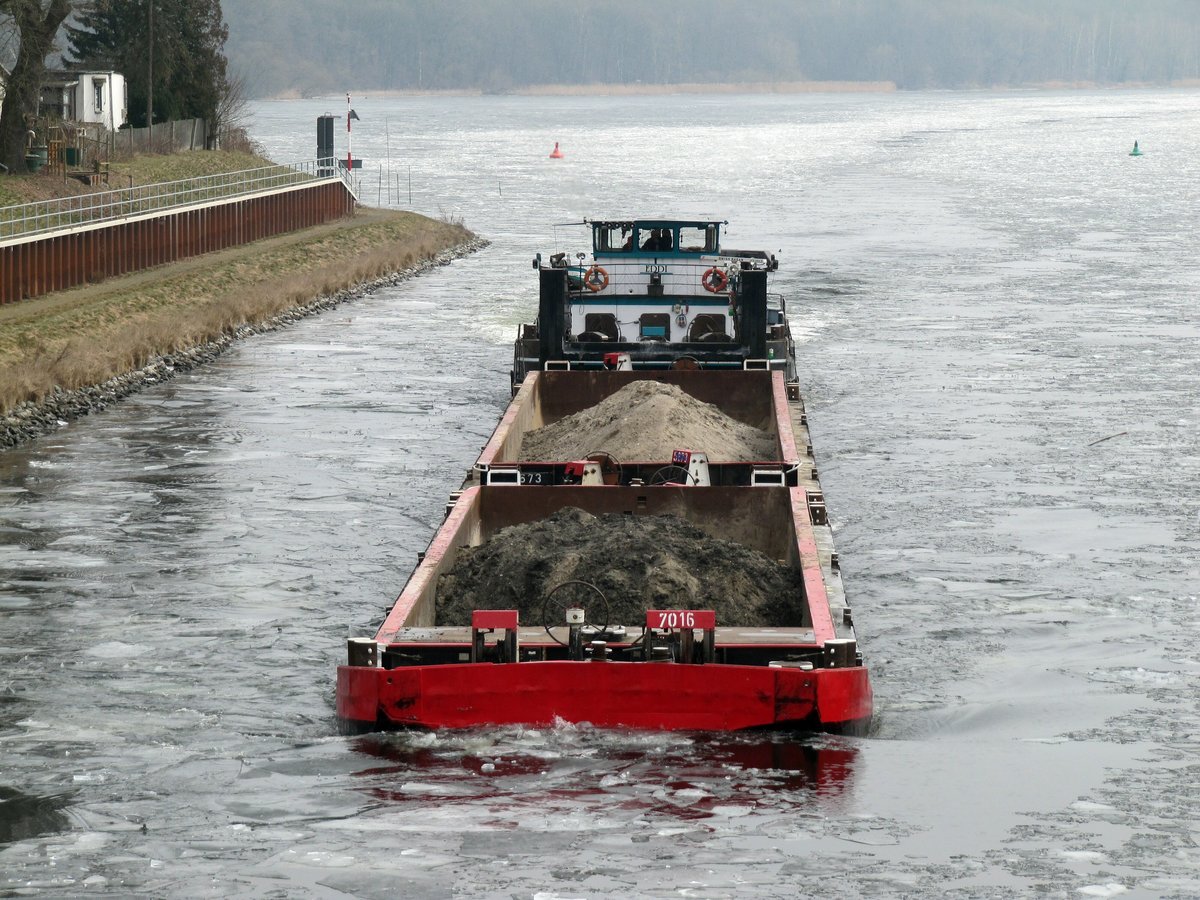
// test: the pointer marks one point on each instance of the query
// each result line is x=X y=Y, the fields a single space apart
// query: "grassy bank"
x=82 y=337
x=142 y=169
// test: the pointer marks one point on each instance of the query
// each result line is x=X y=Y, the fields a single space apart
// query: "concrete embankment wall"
x=64 y=259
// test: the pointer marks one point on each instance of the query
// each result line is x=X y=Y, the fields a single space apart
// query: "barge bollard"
x=840 y=653
x=363 y=652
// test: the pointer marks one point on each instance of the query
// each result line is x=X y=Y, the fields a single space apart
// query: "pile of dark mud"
x=638 y=562
x=644 y=422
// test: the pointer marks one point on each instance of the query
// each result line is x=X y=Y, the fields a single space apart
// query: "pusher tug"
x=659 y=313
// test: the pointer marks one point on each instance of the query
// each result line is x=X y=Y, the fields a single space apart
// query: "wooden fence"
x=165 y=137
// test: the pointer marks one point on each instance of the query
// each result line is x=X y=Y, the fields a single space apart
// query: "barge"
x=628 y=321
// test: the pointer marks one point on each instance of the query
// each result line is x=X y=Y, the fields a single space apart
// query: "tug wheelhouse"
x=661 y=293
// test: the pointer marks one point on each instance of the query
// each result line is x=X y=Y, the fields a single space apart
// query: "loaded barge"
x=659 y=312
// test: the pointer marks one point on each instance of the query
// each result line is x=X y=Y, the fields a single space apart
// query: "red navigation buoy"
x=556 y=153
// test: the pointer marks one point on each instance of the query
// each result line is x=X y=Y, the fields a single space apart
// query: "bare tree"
x=34 y=24
x=233 y=115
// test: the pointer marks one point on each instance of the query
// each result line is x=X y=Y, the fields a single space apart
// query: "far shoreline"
x=782 y=87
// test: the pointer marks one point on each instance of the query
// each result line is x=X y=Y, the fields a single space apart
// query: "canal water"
x=1000 y=350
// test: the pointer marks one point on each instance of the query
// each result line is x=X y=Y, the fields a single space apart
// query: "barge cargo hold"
x=538 y=652
x=677 y=670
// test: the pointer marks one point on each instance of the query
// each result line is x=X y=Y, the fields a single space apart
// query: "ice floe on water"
x=178 y=571
x=117 y=650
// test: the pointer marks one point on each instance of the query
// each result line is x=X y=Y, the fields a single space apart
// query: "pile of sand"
x=644 y=422
x=638 y=562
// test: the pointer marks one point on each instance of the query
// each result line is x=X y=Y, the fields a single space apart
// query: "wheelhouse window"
x=600 y=327
x=614 y=238
x=655 y=327
x=708 y=327
x=98 y=94
x=698 y=240
x=654 y=240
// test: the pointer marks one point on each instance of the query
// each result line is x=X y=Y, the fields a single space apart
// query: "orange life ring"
x=595 y=279
x=714 y=280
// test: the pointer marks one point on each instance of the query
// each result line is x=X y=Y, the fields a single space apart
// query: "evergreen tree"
x=171 y=53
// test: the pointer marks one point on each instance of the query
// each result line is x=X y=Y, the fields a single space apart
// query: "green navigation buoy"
x=1135 y=151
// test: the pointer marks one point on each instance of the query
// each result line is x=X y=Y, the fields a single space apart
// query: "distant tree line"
x=498 y=45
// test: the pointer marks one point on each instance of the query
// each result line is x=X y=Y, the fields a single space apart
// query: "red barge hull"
x=416 y=673
x=657 y=696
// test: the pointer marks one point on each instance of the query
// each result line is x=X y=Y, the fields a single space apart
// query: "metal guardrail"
x=46 y=216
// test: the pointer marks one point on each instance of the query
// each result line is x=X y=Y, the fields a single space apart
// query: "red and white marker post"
x=349 y=115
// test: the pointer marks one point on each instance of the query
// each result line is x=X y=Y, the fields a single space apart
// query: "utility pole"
x=150 y=74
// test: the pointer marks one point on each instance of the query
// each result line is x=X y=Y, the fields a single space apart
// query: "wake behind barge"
x=626 y=316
